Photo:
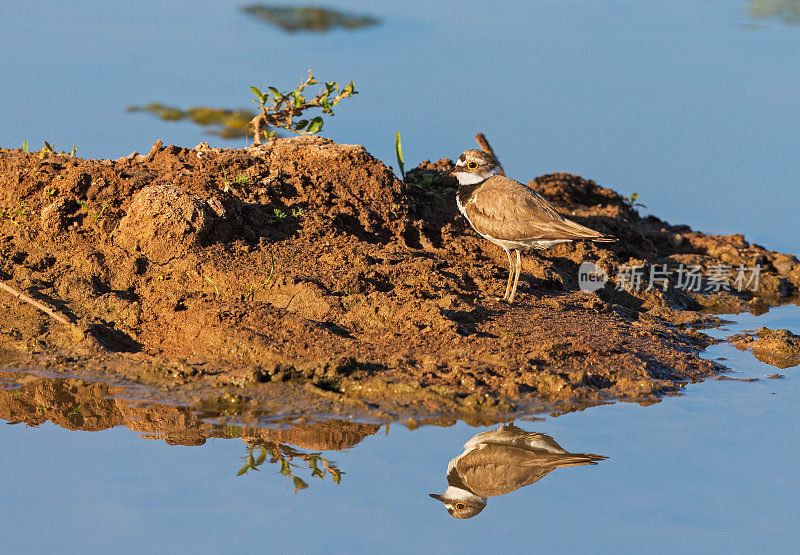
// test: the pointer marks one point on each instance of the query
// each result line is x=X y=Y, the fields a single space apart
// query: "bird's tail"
x=604 y=239
x=579 y=459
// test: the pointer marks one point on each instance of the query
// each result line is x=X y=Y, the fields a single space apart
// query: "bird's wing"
x=496 y=470
x=499 y=469
x=506 y=209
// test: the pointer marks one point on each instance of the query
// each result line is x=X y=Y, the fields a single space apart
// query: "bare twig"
x=36 y=304
x=484 y=144
x=255 y=125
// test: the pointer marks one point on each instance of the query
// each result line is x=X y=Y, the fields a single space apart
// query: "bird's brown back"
x=506 y=209
x=496 y=469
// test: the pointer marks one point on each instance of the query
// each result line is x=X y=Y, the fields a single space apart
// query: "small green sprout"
x=398 y=151
x=95 y=216
x=25 y=147
x=14 y=214
x=48 y=149
x=298 y=213
x=280 y=214
x=239 y=180
x=212 y=282
x=22 y=208
x=251 y=293
x=631 y=202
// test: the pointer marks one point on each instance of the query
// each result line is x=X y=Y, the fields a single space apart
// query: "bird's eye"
x=461 y=506
x=472 y=165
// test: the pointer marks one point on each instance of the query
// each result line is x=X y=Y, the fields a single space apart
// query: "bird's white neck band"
x=467 y=178
x=457 y=494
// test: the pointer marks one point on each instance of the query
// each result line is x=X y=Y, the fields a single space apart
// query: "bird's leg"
x=516 y=279
x=510 y=273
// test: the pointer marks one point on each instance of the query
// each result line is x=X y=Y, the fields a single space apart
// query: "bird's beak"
x=437 y=497
x=453 y=171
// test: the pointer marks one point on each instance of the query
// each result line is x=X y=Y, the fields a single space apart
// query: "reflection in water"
x=77 y=404
x=787 y=11
x=299 y=18
x=285 y=454
x=228 y=124
x=500 y=461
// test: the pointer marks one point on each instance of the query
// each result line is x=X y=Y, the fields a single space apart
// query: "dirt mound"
x=307 y=267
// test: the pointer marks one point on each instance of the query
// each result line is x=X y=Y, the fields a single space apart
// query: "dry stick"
x=33 y=302
x=255 y=124
x=481 y=139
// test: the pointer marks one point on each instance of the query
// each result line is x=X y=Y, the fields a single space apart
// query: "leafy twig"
x=278 y=109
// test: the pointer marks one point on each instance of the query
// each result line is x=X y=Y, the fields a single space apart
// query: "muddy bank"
x=780 y=348
x=303 y=276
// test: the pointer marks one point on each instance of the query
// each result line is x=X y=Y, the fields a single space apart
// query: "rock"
x=783 y=263
x=675 y=239
x=779 y=348
x=54 y=216
x=163 y=222
x=773 y=287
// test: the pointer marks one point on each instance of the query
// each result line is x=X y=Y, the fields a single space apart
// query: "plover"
x=511 y=214
x=501 y=461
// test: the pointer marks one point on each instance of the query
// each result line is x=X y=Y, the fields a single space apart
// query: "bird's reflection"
x=500 y=461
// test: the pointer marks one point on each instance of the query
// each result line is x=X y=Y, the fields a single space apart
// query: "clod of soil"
x=303 y=276
x=779 y=348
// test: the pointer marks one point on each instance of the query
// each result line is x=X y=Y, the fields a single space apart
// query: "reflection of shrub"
x=285 y=454
x=293 y=19
x=278 y=109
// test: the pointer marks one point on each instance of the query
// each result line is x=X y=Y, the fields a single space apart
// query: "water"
x=686 y=102
x=711 y=471
x=690 y=103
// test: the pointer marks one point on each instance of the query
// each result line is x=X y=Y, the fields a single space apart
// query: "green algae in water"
x=308 y=18
x=787 y=11
x=226 y=123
